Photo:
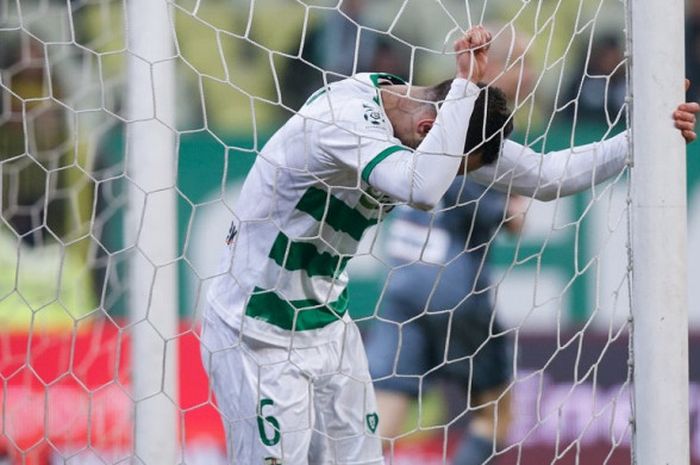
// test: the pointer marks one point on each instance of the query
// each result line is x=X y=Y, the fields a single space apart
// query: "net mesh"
x=558 y=282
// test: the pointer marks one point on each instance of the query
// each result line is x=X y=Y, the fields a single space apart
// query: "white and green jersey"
x=306 y=203
x=328 y=174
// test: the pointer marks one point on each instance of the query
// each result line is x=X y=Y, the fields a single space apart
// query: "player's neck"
x=403 y=110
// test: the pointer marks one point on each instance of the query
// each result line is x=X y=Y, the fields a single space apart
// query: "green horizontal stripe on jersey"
x=339 y=216
x=377 y=159
x=305 y=256
x=310 y=314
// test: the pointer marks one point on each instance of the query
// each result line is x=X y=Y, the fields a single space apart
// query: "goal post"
x=659 y=235
x=152 y=230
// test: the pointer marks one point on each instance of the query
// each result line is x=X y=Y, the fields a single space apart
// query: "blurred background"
x=242 y=68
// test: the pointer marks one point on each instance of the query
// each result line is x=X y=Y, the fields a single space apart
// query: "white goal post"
x=151 y=225
x=659 y=235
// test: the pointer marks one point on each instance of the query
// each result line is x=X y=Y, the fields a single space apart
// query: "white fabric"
x=322 y=398
x=520 y=170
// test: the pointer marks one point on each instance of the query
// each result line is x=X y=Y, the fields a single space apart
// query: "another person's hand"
x=516 y=209
x=472 y=53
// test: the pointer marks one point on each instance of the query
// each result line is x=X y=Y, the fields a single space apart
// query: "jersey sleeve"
x=520 y=170
x=422 y=177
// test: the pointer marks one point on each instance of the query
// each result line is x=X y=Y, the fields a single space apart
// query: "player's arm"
x=520 y=170
x=421 y=177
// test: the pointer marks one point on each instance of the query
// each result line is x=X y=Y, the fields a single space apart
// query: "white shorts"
x=311 y=405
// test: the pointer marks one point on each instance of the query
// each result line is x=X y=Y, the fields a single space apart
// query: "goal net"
x=497 y=325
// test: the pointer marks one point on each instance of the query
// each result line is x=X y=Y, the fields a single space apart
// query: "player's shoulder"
x=362 y=85
x=378 y=79
x=352 y=104
x=368 y=84
x=363 y=100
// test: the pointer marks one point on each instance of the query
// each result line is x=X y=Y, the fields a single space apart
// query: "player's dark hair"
x=490 y=123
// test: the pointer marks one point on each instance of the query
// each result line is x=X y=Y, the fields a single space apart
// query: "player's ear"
x=424 y=126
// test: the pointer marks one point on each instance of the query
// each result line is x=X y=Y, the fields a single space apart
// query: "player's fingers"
x=692 y=107
x=687 y=84
x=684 y=126
x=689 y=136
x=684 y=117
x=483 y=37
x=476 y=35
x=461 y=44
x=680 y=115
x=487 y=45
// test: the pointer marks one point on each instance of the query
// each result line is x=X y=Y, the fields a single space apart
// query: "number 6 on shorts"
x=272 y=421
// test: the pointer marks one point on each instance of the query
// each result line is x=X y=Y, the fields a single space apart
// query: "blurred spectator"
x=599 y=86
x=22 y=66
x=44 y=244
x=510 y=69
x=337 y=46
x=27 y=151
x=338 y=36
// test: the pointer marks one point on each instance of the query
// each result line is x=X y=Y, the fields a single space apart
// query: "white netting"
x=69 y=250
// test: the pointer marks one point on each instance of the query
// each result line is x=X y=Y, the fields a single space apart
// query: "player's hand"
x=684 y=118
x=472 y=53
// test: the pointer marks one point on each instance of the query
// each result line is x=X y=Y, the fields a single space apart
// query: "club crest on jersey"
x=373 y=115
x=272 y=461
x=372 y=421
x=374 y=199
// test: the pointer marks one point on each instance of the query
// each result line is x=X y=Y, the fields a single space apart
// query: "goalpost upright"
x=152 y=230
x=660 y=315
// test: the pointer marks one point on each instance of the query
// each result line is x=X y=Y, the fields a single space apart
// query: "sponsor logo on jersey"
x=272 y=461
x=231 y=234
x=373 y=115
x=372 y=421
x=373 y=199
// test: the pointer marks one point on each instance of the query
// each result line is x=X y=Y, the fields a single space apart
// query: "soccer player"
x=435 y=321
x=284 y=359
